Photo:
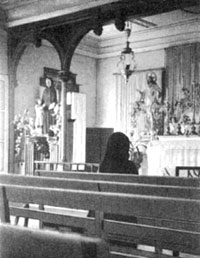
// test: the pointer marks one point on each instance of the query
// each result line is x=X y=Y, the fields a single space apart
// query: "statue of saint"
x=49 y=100
x=155 y=101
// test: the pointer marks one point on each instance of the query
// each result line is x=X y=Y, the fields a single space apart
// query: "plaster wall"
x=106 y=83
x=106 y=91
x=29 y=71
x=86 y=69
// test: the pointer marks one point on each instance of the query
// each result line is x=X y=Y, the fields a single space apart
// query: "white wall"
x=86 y=70
x=106 y=83
x=29 y=71
x=106 y=92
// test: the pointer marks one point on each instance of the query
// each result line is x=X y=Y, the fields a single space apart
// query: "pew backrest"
x=103 y=186
x=130 y=178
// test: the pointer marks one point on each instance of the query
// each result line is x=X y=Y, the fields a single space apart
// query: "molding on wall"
x=85 y=53
x=142 y=41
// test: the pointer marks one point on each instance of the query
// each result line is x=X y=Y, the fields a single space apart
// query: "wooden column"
x=63 y=138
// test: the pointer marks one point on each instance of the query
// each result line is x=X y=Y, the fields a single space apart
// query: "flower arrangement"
x=56 y=128
x=23 y=126
x=137 y=150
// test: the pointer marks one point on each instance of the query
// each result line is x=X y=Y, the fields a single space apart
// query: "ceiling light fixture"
x=127 y=62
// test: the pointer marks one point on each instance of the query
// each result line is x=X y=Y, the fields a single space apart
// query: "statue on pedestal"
x=49 y=100
x=155 y=102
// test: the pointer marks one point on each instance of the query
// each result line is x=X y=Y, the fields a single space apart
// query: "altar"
x=167 y=152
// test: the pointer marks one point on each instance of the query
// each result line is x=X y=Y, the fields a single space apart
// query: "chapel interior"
x=77 y=44
x=73 y=72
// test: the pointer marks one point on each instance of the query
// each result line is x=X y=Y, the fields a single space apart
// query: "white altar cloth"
x=164 y=154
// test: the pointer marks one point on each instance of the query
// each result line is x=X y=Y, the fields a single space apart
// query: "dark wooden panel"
x=96 y=140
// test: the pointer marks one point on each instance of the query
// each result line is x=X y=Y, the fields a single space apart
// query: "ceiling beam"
x=130 y=9
x=80 y=10
x=36 y=11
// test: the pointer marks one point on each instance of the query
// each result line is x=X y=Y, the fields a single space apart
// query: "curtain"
x=182 y=69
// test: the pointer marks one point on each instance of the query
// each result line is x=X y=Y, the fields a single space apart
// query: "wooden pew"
x=163 y=236
x=160 y=180
x=187 y=192
x=105 y=186
x=19 y=242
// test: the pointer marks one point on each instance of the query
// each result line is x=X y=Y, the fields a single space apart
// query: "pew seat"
x=20 y=242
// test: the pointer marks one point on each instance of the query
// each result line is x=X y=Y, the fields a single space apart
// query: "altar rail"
x=65 y=166
x=166 y=211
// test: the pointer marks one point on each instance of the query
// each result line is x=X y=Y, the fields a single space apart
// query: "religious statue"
x=155 y=99
x=49 y=100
